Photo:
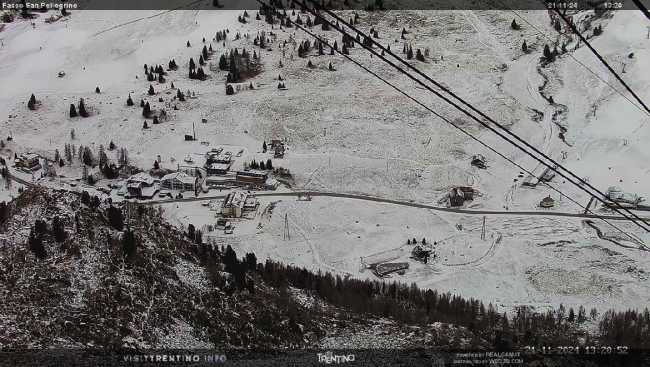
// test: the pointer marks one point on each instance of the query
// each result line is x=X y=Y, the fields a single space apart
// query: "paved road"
x=542 y=213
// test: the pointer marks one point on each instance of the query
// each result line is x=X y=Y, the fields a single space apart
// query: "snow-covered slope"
x=348 y=132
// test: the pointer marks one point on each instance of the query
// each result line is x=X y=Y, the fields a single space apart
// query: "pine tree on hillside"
x=82 y=108
x=205 y=53
x=129 y=244
x=31 y=104
x=129 y=101
x=192 y=64
x=330 y=67
x=146 y=110
x=419 y=56
x=87 y=157
x=36 y=245
x=155 y=120
x=409 y=53
x=188 y=44
x=180 y=95
x=151 y=92
x=229 y=90
x=547 y=54
x=97 y=90
x=598 y=30
x=161 y=79
x=524 y=47
x=103 y=158
x=514 y=25
x=200 y=74
x=223 y=64
x=145 y=125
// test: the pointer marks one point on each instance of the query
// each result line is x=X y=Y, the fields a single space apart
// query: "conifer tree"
x=524 y=47
x=129 y=101
x=151 y=92
x=82 y=108
x=97 y=90
x=146 y=111
x=419 y=56
x=514 y=25
x=31 y=104
x=223 y=64
x=36 y=245
x=547 y=53
x=200 y=74
x=73 y=110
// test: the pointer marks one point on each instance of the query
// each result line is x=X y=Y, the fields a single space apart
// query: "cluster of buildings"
x=215 y=173
x=144 y=186
x=28 y=162
x=218 y=164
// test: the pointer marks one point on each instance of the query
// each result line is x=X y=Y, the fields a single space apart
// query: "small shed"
x=547 y=202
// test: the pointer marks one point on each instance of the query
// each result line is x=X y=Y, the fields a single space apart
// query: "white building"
x=179 y=181
x=141 y=185
x=236 y=203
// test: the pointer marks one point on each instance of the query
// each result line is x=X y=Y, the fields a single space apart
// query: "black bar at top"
x=375 y=5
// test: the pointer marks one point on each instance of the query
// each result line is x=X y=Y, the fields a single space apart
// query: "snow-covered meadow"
x=348 y=132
